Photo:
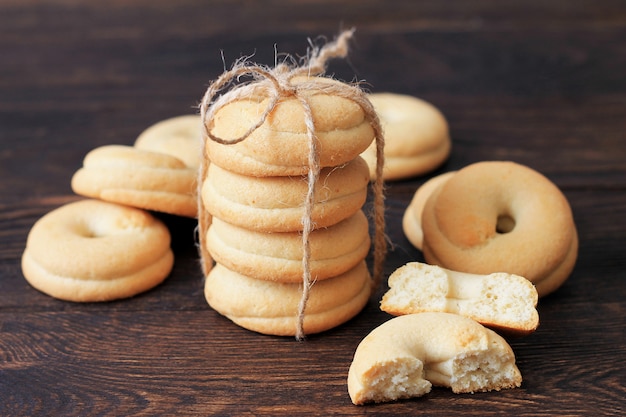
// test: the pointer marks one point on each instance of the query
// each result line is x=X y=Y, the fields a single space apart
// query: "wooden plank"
x=540 y=83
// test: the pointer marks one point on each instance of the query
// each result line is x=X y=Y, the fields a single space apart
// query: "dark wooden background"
x=539 y=82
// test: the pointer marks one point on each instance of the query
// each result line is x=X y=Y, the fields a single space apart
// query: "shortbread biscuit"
x=417 y=138
x=280 y=146
x=138 y=178
x=278 y=256
x=500 y=216
x=91 y=250
x=405 y=356
x=272 y=308
x=179 y=136
x=276 y=204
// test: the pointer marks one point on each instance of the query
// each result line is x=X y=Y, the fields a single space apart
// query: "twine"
x=275 y=84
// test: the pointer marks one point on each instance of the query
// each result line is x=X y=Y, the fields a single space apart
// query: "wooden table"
x=540 y=83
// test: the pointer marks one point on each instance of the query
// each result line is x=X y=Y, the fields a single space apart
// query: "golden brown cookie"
x=405 y=356
x=280 y=146
x=272 y=307
x=276 y=204
x=179 y=136
x=91 y=250
x=278 y=256
x=417 y=138
x=500 y=216
x=138 y=178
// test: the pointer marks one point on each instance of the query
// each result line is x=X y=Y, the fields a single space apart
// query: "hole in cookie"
x=90 y=233
x=505 y=224
x=88 y=230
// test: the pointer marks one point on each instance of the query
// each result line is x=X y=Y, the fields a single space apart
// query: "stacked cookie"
x=255 y=192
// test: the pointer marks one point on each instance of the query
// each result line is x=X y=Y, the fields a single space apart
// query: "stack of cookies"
x=255 y=192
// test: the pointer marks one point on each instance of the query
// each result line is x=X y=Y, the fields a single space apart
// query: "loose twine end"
x=275 y=83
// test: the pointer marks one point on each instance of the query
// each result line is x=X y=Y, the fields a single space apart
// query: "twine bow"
x=276 y=85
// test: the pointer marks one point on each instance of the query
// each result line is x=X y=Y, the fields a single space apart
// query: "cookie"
x=501 y=216
x=417 y=138
x=270 y=307
x=275 y=204
x=280 y=146
x=405 y=356
x=92 y=250
x=501 y=301
x=138 y=178
x=278 y=256
x=179 y=136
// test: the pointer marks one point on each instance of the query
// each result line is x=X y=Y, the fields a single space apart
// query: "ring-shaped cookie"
x=92 y=250
x=270 y=307
x=417 y=138
x=280 y=146
x=278 y=256
x=179 y=136
x=138 y=178
x=275 y=204
x=405 y=356
x=500 y=216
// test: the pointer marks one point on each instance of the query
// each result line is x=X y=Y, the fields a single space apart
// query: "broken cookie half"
x=405 y=356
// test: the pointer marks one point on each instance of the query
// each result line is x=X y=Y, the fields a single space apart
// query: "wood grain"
x=540 y=83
